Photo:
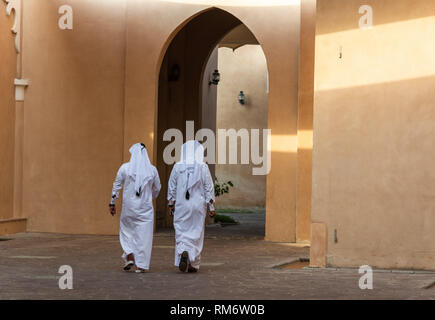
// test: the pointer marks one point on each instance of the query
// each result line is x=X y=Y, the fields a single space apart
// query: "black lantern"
x=215 y=78
x=241 y=98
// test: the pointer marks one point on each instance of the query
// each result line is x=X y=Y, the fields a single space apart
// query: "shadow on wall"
x=179 y=97
x=374 y=166
x=332 y=18
x=7 y=114
x=243 y=69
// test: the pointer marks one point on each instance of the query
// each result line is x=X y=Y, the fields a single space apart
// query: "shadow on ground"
x=236 y=264
x=251 y=226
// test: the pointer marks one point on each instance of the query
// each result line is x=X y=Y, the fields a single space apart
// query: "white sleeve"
x=156 y=184
x=117 y=185
x=208 y=185
x=172 y=186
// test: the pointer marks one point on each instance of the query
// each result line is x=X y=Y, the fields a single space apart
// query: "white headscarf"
x=140 y=169
x=192 y=156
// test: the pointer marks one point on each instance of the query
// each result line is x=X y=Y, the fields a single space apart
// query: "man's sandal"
x=184 y=261
x=128 y=265
x=140 y=270
x=192 y=269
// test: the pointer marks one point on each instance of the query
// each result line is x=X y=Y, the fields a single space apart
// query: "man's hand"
x=212 y=211
x=171 y=210
x=112 y=210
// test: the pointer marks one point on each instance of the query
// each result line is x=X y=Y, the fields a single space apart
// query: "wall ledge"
x=20 y=86
x=13 y=225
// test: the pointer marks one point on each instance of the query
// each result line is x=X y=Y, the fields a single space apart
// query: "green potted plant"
x=219 y=190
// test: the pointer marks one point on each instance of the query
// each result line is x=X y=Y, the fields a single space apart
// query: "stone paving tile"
x=233 y=268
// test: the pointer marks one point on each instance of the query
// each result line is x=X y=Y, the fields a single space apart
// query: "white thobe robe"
x=137 y=216
x=189 y=215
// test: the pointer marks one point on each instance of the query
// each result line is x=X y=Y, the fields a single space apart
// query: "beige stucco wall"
x=7 y=113
x=244 y=69
x=94 y=93
x=305 y=119
x=73 y=135
x=373 y=168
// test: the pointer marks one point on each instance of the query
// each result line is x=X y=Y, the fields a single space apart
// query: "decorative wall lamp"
x=242 y=98
x=215 y=78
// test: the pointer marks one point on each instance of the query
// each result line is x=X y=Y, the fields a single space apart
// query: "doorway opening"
x=214 y=74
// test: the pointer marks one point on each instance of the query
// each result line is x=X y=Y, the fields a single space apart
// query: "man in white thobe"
x=141 y=185
x=190 y=190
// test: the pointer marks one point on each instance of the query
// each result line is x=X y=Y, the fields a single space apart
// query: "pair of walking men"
x=190 y=191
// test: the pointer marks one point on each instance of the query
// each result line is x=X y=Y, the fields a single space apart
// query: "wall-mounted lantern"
x=242 y=98
x=215 y=78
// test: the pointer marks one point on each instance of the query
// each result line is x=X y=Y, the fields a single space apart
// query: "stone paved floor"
x=235 y=265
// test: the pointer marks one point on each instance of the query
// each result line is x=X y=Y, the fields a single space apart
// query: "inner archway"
x=184 y=93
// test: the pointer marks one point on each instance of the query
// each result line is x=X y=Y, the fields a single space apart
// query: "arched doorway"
x=183 y=92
